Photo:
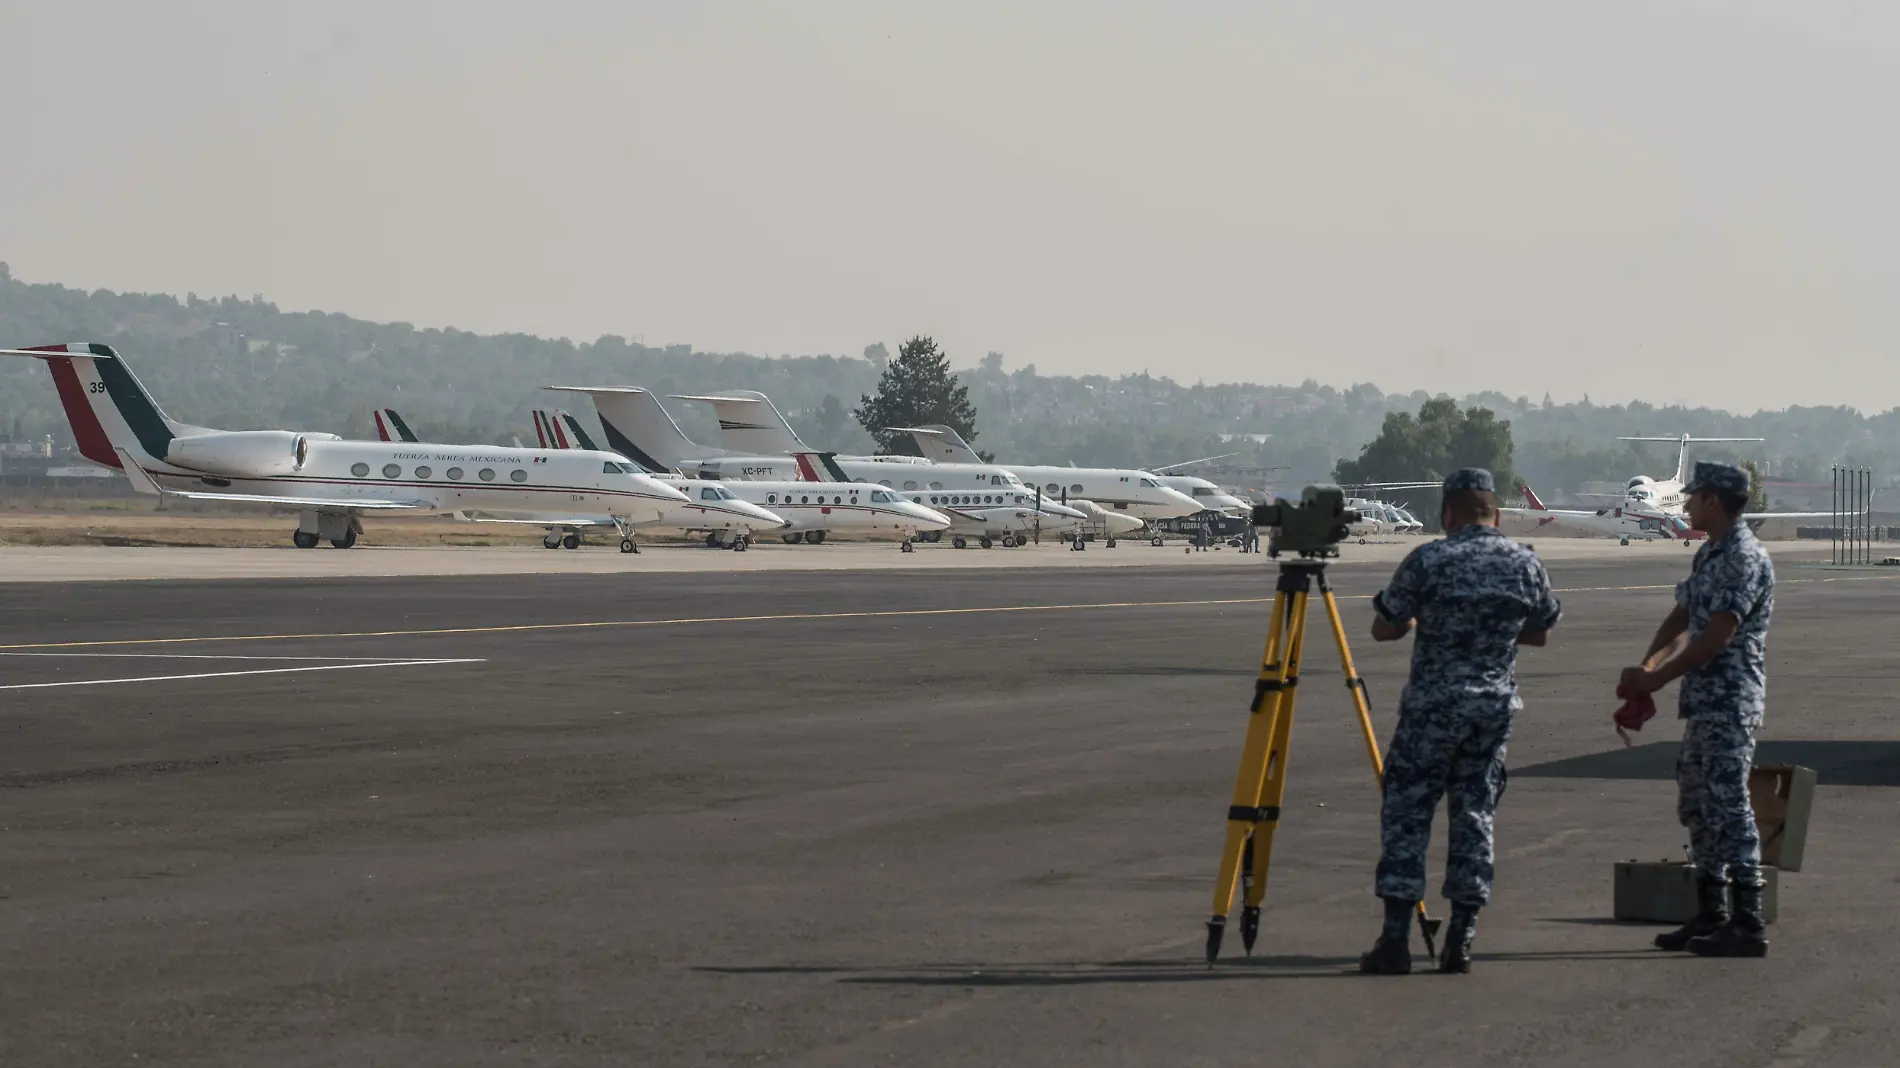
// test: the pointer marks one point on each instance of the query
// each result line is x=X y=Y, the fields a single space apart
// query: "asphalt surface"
x=918 y=818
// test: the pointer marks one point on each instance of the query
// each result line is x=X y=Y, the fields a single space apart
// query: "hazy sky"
x=1658 y=198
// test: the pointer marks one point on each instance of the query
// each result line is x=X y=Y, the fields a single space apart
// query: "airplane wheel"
x=304 y=540
x=627 y=546
x=1009 y=541
x=572 y=541
x=1362 y=541
x=814 y=537
x=907 y=547
x=1110 y=544
x=1156 y=542
x=552 y=541
x=958 y=542
x=932 y=536
x=985 y=541
x=791 y=539
x=741 y=544
x=1624 y=541
x=348 y=539
x=712 y=541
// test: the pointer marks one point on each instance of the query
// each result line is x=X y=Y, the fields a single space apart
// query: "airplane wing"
x=1189 y=463
x=550 y=521
x=143 y=482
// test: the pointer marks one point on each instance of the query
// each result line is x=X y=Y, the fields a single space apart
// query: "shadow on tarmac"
x=1184 y=970
x=1835 y=763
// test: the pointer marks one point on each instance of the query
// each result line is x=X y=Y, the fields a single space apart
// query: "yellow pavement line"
x=785 y=617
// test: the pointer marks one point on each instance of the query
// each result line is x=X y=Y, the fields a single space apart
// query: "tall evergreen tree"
x=916 y=388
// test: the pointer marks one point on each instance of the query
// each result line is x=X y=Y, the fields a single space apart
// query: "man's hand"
x=1383 y=631
x=1639 y=679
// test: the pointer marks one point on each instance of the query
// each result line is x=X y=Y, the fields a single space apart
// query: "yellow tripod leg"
x=1273 y=786
x=1427 y=926
x=1241 y=817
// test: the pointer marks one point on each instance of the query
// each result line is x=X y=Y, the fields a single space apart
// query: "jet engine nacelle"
x=254 y=453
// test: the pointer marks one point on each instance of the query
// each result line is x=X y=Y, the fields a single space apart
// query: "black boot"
x=1456 y=956
x=1710 y=914
x=1743 y=935
x=1392 y=953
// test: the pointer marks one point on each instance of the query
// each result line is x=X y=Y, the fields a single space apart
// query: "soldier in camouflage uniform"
x=1476 y=595
x=1716 y=642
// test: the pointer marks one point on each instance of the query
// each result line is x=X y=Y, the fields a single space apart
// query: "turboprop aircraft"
x=1644 y=494
x=725 y=519
x=982 y=501
x=749 y=422
x=330 y=481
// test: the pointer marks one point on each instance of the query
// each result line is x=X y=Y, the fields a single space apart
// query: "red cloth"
x=1637 y=708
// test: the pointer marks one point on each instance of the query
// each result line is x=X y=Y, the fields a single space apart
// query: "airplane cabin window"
x=519 y=474
x=802 y=499
x=885 y=482
x=392 y=470
x=771 y=498
x=423 y=472
x=837 y=500
x=486 y=474
x=1053 y=489
x=454 y=473
x=909 y=485
x=360 y=470
x=936 y=485
x=1077 y=488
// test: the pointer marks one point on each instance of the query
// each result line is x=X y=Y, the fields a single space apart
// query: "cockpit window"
x=707 y=493
x=1151 y=483
x=1203 y=491
x=608 y=467
x=618 y=467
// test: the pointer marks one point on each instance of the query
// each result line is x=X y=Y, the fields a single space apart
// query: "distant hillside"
x=244 y=363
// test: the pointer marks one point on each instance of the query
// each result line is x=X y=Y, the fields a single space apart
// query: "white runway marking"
x=347 y=664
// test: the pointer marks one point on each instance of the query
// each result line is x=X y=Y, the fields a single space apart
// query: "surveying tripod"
x=1255 y=813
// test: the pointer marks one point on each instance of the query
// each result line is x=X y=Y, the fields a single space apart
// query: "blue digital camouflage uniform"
x=1472 y=594
x=1723 y=700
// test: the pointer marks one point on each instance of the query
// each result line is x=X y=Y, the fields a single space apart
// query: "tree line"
x=245 y=363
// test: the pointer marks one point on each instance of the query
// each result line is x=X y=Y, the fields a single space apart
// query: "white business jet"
x=982 y=501
x=329 y=481
x=811 y=509
x=710 y=509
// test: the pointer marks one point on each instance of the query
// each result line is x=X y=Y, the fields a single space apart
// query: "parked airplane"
x=711 y=509
x=1138 y=493
x=749 y=422
x=981 y=501
x=810 y=508
x=330 y=481
x=1620 y=521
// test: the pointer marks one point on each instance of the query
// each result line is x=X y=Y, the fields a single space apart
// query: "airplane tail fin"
x=750 y=424
x=819 y=467
x=638 y=427
x=1531 y=496
x=573 y=429
x=390 y=426
x=941 y=443
x=106 y=406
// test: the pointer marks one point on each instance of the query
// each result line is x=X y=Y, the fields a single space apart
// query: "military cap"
x=1470 y=478
x=1725 y=478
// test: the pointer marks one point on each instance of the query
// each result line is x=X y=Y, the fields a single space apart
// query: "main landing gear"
x=814 y=537
x=558 y=540
x=908 y=546
x=339 y=530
